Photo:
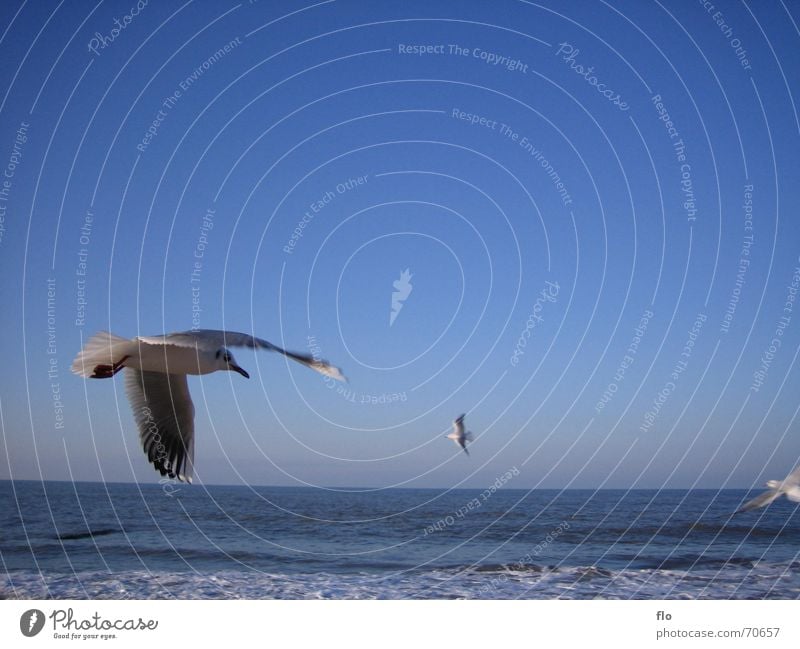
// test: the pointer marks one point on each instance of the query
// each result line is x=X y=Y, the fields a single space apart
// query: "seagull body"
x=155 y=382
x=789 y=486
x=459 y=435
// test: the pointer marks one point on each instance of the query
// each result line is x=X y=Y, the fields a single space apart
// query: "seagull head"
x=773 y=484
x=225 y=361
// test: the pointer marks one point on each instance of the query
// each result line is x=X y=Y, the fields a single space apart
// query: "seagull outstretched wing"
x=760 y=501
x=164 y=414
x=212 y=339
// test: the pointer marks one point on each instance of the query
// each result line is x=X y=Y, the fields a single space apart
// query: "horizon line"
x=353 y=489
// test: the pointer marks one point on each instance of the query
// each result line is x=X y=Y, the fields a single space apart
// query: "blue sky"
x=594 y=199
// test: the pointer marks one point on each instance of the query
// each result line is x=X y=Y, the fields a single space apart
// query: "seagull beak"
x=236 y=368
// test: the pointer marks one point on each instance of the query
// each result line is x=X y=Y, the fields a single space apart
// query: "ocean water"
x=93 y=540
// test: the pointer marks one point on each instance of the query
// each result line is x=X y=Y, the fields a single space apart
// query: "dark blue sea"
x=94 y=540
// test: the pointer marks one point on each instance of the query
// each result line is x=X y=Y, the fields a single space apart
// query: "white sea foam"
x=764 y=581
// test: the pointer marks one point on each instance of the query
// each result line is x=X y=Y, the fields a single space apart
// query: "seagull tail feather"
x=103 y=348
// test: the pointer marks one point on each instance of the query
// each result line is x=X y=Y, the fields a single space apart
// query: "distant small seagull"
x=155 y=382
x=403 y=288
x=459 y=435
x=790 y=486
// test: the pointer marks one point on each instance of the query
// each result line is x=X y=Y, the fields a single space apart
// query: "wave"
x=75 y=536
x=731 y=580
